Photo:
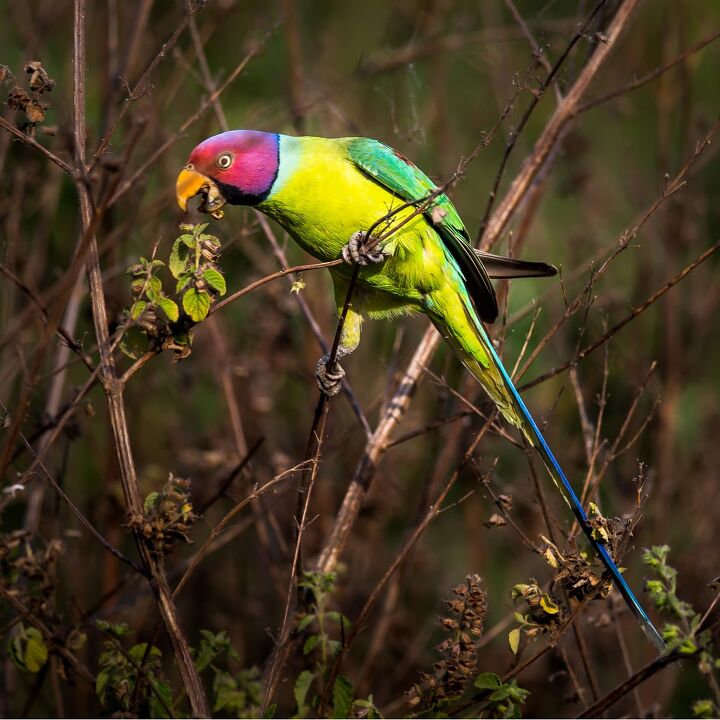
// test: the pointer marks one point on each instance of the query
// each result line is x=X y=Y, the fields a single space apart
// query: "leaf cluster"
x=234 y=694
x=504 y=699
x=132 y=680
x=167 y=516
x=162 y=314
x=686 y=635
x=322 y=626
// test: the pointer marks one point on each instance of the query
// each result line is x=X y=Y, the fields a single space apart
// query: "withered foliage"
x=464 y=626
x=29 y=100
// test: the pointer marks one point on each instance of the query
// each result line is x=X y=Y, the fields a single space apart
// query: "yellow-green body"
x=327 y=190
x=322 y=199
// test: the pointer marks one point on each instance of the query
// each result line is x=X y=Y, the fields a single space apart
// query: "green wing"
x=397 y=174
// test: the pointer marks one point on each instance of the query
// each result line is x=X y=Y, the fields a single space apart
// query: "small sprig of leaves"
x=28 y=572
x=322 y=627
x=131 y=683
x=504 y=699
x=238 y=694
x=542 y=614
x=685 y=635
x=160 y=318
x=167 y=516
x=193 y=263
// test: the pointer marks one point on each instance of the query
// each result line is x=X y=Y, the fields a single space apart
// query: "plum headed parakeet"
x=327 y=193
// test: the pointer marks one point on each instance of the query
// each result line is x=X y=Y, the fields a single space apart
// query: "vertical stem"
x=114 y=387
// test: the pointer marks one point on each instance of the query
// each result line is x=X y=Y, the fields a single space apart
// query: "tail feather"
x=498 y=266
x=494 y=378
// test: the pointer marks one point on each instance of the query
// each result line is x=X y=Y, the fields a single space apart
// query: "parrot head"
x=237 y=167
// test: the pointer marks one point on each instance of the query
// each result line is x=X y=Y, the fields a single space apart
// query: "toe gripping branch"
x=355 y=251
x=329 y=380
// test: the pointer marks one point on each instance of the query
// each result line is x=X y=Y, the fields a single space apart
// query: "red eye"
x=224 y=161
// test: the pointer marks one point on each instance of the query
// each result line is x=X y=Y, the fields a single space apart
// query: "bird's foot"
x=355 y=252
x=329 y=380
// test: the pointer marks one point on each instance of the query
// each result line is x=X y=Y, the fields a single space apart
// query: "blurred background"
x=433 y=79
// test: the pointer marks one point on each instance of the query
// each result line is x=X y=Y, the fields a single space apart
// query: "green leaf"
x=154 y=289
x=343 y=692
x=178 y=258
x=101 y=682
x=211 y=645
x=228 y=695
x=310 y=644
x=137 y=652
x=302 y=685
x=270 y=711
x=514 y=640
x=27 y=649
x=704 y=709
x=157 y=708
x=339 y=618
x=502 y=693
x=334 y=646
x=136 y=309
x=170 y=308
x=116 y=629
x=305 y=621
x=151 y=501
x=547 y=604
x=36 y=652
x=196 y=304
x=215 y=280
x=134 y=342
x=188 y=241
x=487 y=681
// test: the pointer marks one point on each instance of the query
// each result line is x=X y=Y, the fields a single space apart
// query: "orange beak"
x=191 y=183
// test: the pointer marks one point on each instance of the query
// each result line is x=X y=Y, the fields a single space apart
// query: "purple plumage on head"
x=243 y=164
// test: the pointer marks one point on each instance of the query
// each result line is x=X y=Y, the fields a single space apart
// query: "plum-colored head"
x=241 y=164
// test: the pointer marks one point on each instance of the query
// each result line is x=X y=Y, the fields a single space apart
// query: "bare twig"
x=618 y=326
x=493 y=226
x=605 y=703
x=649 y=77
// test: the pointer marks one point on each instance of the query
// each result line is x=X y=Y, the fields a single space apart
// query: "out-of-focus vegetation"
x=181 y=463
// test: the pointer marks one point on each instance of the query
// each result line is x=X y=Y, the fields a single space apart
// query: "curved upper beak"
x=189 y=184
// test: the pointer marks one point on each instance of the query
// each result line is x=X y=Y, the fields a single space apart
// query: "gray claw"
x=353 y=252
x=329 y=381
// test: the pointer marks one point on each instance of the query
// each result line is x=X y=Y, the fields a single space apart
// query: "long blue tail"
x=536 y=439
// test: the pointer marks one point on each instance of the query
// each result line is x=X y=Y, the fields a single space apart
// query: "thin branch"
x=537 y=95
x=618 y=326
x=33 y=143
x=649 y=77
x=494 y=225
x=597 y=709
